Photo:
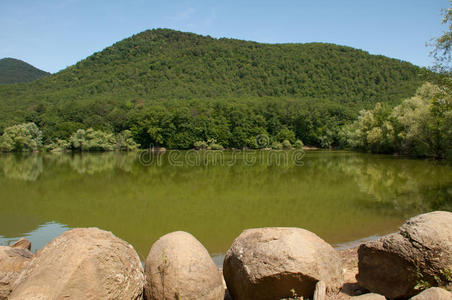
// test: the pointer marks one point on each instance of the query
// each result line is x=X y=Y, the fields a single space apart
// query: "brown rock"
x=179 y=267
x=23 y=243
x=82 y=263
x=434 y=293
x=370 y=296
x=12 y=262
x=272 y=263
x=420 y=253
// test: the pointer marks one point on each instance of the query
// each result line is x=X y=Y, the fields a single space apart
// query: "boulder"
x=419 y=254
x=22 y=243
x=179 y=267
x=82 y=263
x=275 y=263
x=12 y=261
x=433 y=293
x=370 y=296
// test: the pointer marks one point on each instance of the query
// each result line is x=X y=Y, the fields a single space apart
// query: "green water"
x=341 y=196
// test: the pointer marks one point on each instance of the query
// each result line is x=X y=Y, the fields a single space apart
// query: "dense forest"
x=17 y=71
x=174 y=89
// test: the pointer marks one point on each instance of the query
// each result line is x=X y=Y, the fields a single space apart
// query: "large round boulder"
x=82 y=263
x=179 y=267
x=275 y=263
x=419 y=254
x=12 y=261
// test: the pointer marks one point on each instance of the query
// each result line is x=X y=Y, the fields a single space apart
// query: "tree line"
x=186 y=124
x=420 y=126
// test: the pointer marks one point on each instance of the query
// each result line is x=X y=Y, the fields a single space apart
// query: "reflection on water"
x=341 y=196
x=24 y=167
x=38 y=237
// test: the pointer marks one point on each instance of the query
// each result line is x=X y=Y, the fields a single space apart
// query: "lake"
x=341 y=196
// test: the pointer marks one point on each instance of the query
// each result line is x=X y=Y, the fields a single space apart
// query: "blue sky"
x=54 y=34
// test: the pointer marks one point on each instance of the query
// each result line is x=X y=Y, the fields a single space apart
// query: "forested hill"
x=16 y=71
x=111 y=89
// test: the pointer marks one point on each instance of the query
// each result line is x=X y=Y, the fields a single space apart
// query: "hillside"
x=165 y=70
x=17 y=71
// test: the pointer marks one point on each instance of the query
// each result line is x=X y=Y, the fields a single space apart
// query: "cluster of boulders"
x=265 y=263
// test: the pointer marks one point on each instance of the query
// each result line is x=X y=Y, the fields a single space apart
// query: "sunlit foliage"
x=419 y=126
x=22 y=137
x=172 y=89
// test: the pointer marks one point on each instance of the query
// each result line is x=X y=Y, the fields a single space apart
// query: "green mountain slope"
x=16 y=71
x=165 y=70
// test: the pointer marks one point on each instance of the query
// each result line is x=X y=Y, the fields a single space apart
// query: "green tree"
x=442 y=46
x=299 y=144
x=92 y=140
x=419 y=126
x=372 y=131
x=125 y=142
x=286 y=144
x=22 y=137
x=286 y=134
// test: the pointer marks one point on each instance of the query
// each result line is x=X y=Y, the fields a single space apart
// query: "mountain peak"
x=14 y=70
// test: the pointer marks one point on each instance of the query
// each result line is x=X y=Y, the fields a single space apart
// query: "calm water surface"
x=341 y=196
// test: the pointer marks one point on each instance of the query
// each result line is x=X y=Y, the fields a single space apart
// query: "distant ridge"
x=163 y=72
x=17 y=71
x=164 y=63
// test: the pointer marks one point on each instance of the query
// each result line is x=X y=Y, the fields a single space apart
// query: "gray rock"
x=275 y=263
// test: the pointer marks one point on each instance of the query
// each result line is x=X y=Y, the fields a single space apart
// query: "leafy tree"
x=92 y=140
x=78 y=140
x=277 y=146
x=22 y=137
x=372 y=131
x=125 y=142
x=419 y=126
x=286 y=134
x=298 y=144
x=286 y=144
x=442 y=46
x=200 y=145
x=58 y=146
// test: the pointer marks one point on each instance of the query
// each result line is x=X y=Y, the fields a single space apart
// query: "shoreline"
x=275 y=255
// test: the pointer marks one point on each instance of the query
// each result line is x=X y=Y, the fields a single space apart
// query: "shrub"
x=22 y=137
x=215 y=147
x=277 y=146
x=92 y=140
x=58 y=146
x=286 y=144
x=286 y=134
x=125 y=142
x=299 y=144
x=200 y=145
